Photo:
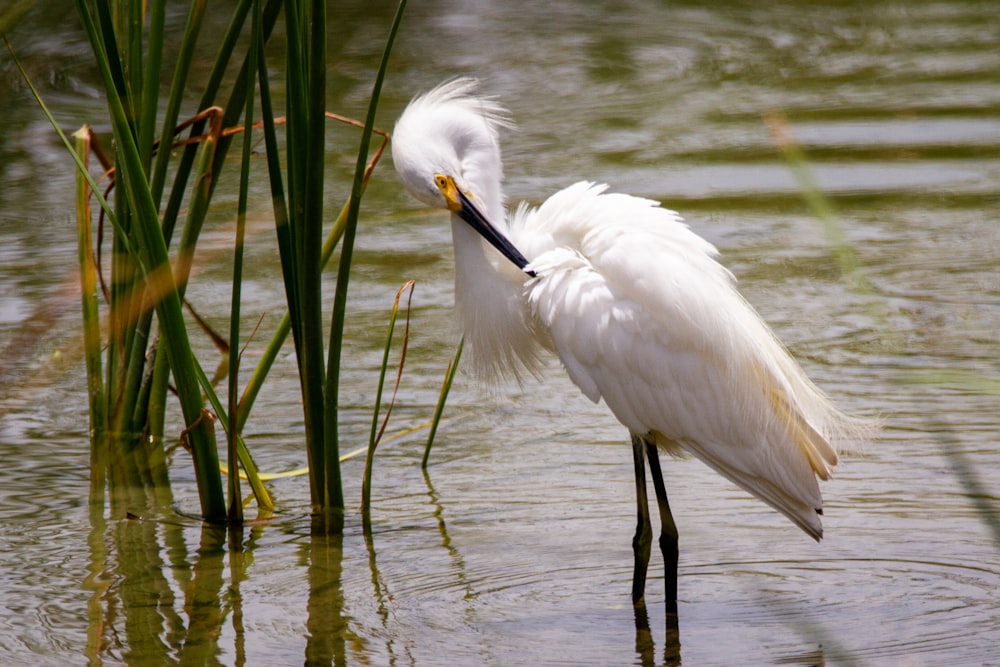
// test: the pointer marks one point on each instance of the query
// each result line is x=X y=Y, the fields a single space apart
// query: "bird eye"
x=441 y=181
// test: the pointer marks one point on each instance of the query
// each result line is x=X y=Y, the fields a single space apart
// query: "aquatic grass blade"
x=376 y=432
x=175 y=97
x=147 y=99
x=306 y=145
x=88 y=290
x=449 y=378
x=91 y=327
x=246 y=461
x=232 y=434
x=152 y=255
x=254 y=385
x=338 y=316
x=818 y=203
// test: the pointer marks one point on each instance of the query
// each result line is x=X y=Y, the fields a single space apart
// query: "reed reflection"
x=327 y=624
x=453 y=553
x=202 y=599
x=137 y=568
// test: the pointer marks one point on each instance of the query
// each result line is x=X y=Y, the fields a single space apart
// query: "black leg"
x=668 y=534
x=643 y=539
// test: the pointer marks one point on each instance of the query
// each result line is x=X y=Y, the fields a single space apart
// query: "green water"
x=514 y=548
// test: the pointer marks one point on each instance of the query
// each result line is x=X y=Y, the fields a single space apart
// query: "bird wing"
x=642 y=315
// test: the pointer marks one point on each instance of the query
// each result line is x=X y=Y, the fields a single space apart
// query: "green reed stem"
x=347 y=251
x=299 y=224
x=820 y=205
x=155 y=266
x=148 y=99
x=88 y=292
x=449 y=378
x=255 y=384
x=175 y=97
x=232 y=434
x=243 y=456
x=376 y=432
x=309 y=151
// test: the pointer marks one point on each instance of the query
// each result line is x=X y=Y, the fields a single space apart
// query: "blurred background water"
x=514 y=548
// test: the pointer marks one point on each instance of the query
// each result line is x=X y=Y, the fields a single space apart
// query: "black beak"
x=478 y=222
x=466 y=210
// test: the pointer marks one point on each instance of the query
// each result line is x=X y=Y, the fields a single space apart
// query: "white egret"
x=639 y=312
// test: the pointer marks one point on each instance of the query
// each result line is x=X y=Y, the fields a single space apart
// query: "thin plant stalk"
x=91 y=324
x=254 y=385
x=253 y=475
x=150 y=92
x=376 y=432
x=295 y=245
x=819 y=204
x=153 y=256
x=235 y=512
x=449 y=378
x=171 y=112
x=88 y=290
x=338 y=316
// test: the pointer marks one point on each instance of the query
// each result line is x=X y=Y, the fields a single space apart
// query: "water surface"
x=514 y=548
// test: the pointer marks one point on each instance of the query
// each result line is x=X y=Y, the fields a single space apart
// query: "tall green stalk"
x=338 y=317
x=91 y=324
x=88 y=289
x=298 y=209
x=232 y=434
x=306 y=144
x=153 y=261
x=449 y=378
x=376 y=432
x=147 y=338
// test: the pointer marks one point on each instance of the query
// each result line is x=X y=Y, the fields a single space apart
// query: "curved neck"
x=490 y=302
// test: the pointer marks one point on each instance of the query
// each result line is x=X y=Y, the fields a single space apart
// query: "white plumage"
x=631 y=300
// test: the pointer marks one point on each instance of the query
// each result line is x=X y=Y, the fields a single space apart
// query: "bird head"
x=452 y=132
x=446 y=150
